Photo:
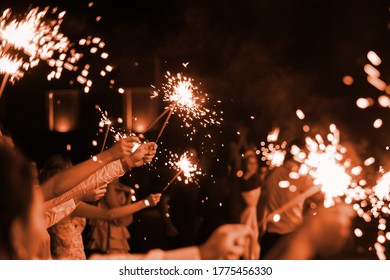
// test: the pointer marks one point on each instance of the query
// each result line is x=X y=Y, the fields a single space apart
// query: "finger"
x=236 y=230
x=132 y=139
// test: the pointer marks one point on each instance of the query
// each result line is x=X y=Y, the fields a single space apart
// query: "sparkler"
x=34 y=38
x=186 y=100
x=273 y=154
x=185 y=167
x=331 y=170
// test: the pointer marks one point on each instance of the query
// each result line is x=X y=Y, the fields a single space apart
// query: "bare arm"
x=92 y=212
x=113 y=201
x=66 y=180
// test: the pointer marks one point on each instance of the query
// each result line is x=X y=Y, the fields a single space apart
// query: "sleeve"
x=53 y=215
x=103 y=176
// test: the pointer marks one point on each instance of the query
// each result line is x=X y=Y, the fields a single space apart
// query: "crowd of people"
x=47 y=210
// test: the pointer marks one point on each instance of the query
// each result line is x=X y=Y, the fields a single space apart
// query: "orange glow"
x=378 y=83
x=364 y=103
x=374 y=58
x=347 y=80
x=371 y=71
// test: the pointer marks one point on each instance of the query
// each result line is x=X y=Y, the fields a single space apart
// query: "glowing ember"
x=364 y=103
x=348 y=80
x=300 y=114
x=374 y=58
x=378 y=123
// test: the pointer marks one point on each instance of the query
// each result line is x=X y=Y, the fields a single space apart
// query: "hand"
x=96 y=194
x=142 y=155
x=226 y=242
x=123 y=148
x=150 y=151
x=153 y=200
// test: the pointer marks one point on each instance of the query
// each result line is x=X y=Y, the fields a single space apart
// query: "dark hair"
x=16 y=195
x=53 y=165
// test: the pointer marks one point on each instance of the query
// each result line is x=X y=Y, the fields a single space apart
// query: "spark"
x=36 y=38
x=300 y=114
x=374 y=58
x=326 y=163
x=185 y=165
x=364 y=103
x=187 y=101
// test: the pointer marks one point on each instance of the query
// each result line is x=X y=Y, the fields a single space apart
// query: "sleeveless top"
x=66 y=239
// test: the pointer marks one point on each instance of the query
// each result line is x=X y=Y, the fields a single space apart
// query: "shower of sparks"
x=36 y=37
x=326 y=162
x=184 y=164
x=11 y=66
x=26 y=40
x=273 y=154
x=116 y=132
x=381 y=193
x=187 y=101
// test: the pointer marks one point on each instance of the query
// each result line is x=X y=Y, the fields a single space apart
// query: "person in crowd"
x=275 y=195
x=250 y=189
x=22 y=222
x=112 y=236
x=66 y=238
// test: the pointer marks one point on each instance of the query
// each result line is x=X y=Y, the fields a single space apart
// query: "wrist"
x=125 y=165
x=146 y=203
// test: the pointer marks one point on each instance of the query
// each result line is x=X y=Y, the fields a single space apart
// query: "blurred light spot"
x=363 y=103
x=300 y=114
x=369 y=161
x=347 y=80
x=374 y=58
x=284 y=184
x=358 y=232
x=378 y=123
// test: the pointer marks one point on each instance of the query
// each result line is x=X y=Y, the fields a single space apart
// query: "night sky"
x=260 y=57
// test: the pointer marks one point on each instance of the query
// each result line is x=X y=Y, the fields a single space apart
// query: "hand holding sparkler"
x=152 y=200
x=140 y=154
x=123 y=148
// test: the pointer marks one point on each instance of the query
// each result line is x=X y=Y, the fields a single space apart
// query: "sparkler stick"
x=156 y=120
x=308 y=193
x=172 y=180
x=106 y=135
x=164 y=125
x=3 y=83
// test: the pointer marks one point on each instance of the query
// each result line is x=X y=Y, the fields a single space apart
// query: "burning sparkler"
x=35 y=37
x=185 y=167
x=273 y=154
x=186 y=100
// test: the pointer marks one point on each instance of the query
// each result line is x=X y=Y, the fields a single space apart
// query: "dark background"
x=262 y=58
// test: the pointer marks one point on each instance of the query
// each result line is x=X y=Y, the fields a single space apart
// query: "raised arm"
x=71 y=177
x=92 y=212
